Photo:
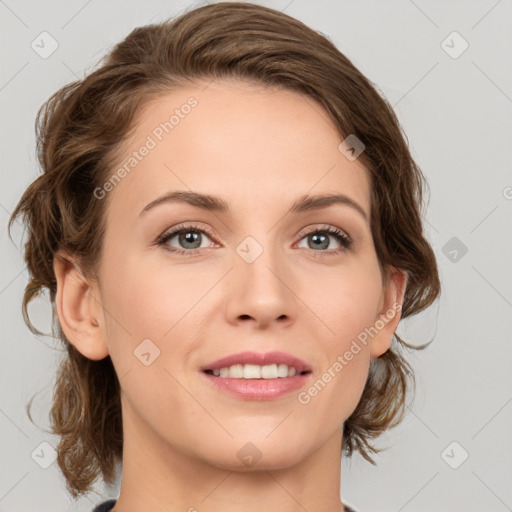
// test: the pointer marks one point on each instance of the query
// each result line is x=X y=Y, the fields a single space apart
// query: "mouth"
x=254 y=376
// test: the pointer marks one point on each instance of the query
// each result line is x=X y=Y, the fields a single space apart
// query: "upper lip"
x=274 y=357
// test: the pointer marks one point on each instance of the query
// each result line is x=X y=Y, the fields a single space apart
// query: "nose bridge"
x=261 y=279
x=259 y=259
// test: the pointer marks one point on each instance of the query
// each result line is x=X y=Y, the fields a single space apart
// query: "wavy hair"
x=79 y=132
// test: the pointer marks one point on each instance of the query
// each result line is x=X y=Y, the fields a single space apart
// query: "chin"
x=253 y=454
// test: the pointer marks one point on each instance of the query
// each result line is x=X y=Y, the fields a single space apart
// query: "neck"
x=160 y=477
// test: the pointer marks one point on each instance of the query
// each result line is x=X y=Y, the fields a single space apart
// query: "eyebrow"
x=216 y=204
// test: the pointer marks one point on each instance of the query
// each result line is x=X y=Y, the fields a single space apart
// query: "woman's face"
x=256 y=276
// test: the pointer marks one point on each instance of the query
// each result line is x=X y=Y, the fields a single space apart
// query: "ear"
x=79 y=308
x=389 y=315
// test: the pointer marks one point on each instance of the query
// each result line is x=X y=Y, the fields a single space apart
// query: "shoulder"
x=106 y=506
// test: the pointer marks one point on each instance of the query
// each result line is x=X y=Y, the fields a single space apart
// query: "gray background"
x=457 y=115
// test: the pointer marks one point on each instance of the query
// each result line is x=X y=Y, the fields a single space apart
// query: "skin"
x=260 y=150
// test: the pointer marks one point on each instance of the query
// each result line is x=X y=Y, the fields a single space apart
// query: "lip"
x=258 y=389
x=267 y=358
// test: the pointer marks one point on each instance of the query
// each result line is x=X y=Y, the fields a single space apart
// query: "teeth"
x=251 y=371
x=236 y=371
x=254 y=371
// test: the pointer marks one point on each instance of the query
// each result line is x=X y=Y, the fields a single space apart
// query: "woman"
x=231 y=373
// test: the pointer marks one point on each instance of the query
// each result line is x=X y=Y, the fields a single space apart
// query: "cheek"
x=142 y=305
x=348 y=306
x=153 y=302
x=344 y=300
x=143 y=297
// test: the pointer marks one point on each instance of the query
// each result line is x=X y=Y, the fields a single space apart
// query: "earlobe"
x=79 y=309
x=390 y=313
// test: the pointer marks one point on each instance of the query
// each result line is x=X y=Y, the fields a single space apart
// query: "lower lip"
x=258 y=389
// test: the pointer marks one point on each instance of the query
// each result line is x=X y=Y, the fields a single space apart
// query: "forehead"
x=249 y=144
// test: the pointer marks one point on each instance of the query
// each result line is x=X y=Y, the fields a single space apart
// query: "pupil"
x=316 y=237
x=190 y=237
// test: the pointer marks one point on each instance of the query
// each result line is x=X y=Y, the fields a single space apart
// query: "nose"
x=260 y=290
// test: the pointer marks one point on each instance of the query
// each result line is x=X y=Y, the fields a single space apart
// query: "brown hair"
x=79 y=131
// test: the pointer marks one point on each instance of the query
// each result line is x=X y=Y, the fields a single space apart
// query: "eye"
x=319 y=238
x=189 y=237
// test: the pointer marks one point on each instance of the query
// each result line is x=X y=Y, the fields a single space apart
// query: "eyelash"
x=339 y=235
